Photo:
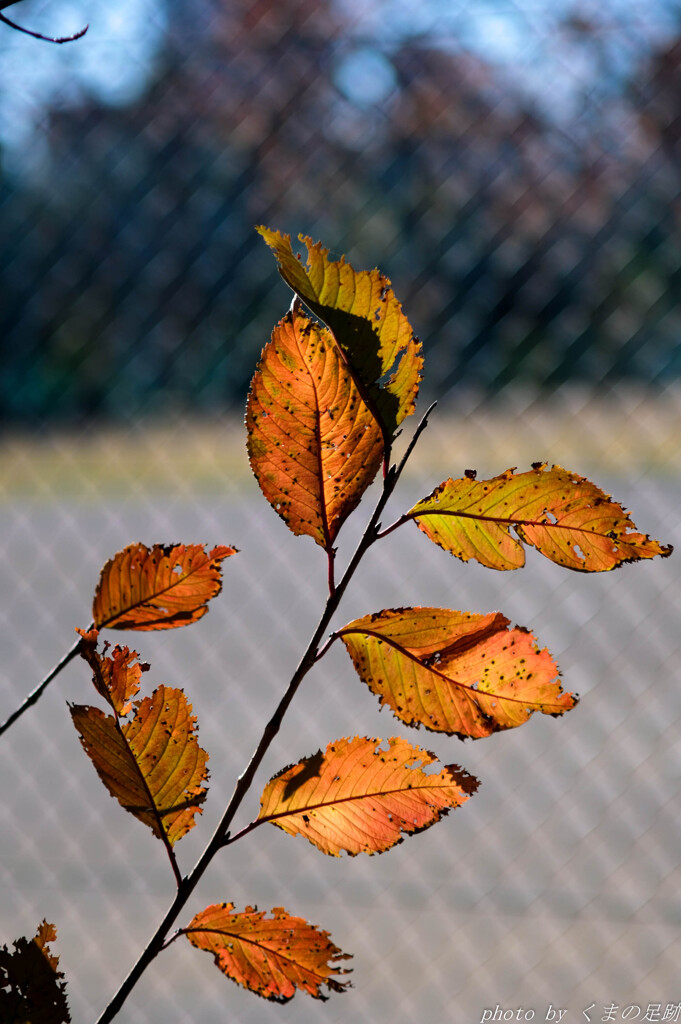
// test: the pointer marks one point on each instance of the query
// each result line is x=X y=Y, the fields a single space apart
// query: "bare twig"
x=39 y=35
x=41 y=687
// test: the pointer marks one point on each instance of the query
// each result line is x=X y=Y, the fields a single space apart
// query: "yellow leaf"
x=454 y=672
x=366 y=320
x=153 y=764
x=314 y=446
x=361 y=797
x=565 y=517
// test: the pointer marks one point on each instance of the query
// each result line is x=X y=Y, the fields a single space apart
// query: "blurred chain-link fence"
x=515 y=170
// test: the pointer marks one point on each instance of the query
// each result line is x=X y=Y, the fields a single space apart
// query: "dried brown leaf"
x=116 y=677
x=31 y=987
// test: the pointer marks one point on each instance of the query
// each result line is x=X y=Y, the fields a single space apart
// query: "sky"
x=115 y=59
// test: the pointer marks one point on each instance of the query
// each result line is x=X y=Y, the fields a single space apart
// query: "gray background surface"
x=557 y=883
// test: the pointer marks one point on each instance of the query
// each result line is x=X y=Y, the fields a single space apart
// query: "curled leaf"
x=313 y=444
x=116 y=678
x=152 y=764
x=31 y=988
x=162 y=587
x=564 y=516
x=454 y=672
x=271 y=956
x=362 y=798
x=366 y=321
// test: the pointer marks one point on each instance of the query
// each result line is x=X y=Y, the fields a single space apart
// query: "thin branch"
x=417 y=433
x=221 y=837
x=39 y=35
x=410 y=448
x=41 y=687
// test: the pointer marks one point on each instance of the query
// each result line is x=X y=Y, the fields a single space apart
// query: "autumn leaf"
x=565 y=517
x=152 y=763
x=31 y=989
x=362 y=794
x=366 y=321
x=269 y=956
x=314 y=446
x=162 y=587
x=116 y=678
x=454 y=672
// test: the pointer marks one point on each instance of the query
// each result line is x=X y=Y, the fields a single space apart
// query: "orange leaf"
x=47 y=933
x=313 y=444
x=152 y=764
x=116 y=678
x=269 y=956
x=366 y=320
x=564 y=516
x=361 y=798
x=455 y=672
x=159 y=588
x=30 y=985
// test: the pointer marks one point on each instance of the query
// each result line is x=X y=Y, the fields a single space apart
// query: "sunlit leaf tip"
x=455 y=672
x=152 y=763
x=366 y=320
x=313 y=444
x=31 y=986
x=363 y=795
x=162 y=587
x=565 y=517
x=270 y=956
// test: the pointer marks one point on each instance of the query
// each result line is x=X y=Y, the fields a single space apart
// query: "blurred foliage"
x=525 y=249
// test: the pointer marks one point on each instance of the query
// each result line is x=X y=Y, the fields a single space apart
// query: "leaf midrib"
x=260 y=945
x=366 y=796
x=158 y=593
x=430 y=668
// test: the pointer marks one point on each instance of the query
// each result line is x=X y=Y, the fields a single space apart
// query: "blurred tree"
x=529 y=249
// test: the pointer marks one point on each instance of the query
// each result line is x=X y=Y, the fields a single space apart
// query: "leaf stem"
x=163 y=836
x=220 y=837
x=175 y=935
x=322 y=650
x=412 y=444
x=229 y=839
x=393 y=526
x=331 y=557
x=35 y=695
